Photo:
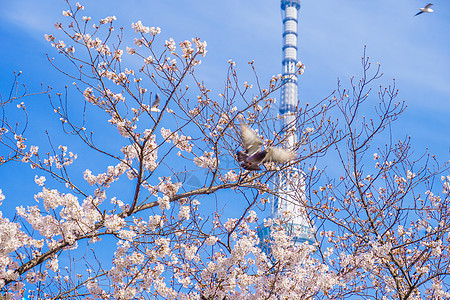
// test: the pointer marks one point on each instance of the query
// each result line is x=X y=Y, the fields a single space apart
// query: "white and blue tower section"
x=289 y=204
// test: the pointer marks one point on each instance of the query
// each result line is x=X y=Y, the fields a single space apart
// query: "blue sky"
x=413 y=50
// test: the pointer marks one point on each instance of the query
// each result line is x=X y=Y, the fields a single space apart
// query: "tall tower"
x=289 y=91
x=289 y=203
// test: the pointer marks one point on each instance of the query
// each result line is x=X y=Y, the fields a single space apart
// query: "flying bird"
x=155 y=104
x=426 y=9
x=254 y=155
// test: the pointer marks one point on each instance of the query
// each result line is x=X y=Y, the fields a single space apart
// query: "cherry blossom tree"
x=139 y=230
x=11 y=132
x=389 y=206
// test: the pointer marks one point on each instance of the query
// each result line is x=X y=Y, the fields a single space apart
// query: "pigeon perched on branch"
x=425 y=9
x=254 y=155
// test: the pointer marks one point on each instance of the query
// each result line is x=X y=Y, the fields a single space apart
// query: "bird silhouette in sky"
x=154 y=107
x=426 y=9
x=254 y=155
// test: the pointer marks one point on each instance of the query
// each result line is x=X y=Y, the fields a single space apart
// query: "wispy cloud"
x=33 y=17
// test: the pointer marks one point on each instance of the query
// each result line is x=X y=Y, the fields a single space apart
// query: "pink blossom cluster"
x=246 y=271
x=188 y=51
x=180 y=141
x=61 y=160
x=170 y=45
x=109 y=19
x=207 y=161
x=140 y=28
x=231 y=176
x=11 y=240
x=124 y=126
x=168 y=188
x=73 y=218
